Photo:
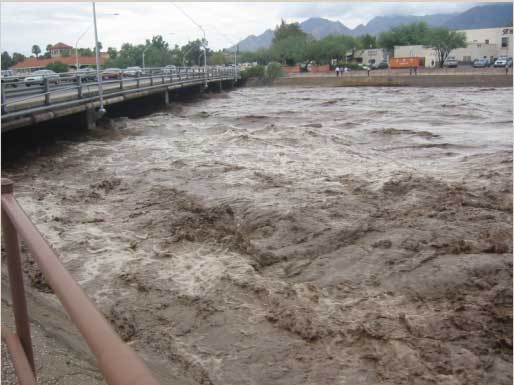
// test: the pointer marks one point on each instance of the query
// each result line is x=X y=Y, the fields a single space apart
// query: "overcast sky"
x=25 y=24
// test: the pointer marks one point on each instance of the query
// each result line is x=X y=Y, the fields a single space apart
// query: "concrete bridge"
x=78 y=99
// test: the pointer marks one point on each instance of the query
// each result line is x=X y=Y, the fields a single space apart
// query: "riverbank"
x=397 y=80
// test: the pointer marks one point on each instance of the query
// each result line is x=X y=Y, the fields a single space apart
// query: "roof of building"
x=33 y=62
x=61 y=46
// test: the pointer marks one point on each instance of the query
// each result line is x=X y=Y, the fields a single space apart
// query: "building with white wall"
x=499 y=37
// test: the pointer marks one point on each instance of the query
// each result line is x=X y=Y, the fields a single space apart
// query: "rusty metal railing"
x=118 y=363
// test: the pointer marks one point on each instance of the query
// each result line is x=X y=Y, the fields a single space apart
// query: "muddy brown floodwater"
x=295 y=235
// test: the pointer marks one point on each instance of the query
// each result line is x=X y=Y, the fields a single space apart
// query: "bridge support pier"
x=89 y=119
x=166 y=97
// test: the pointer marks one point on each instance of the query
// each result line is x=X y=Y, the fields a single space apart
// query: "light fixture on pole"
x=101 y=110
x=80 y=37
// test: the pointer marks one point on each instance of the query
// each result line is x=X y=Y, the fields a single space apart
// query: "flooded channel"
x=295 y=235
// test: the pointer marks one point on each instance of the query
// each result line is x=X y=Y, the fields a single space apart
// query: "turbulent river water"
x=295 y=235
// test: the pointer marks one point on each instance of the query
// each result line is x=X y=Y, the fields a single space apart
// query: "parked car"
x=501 y=61
x=111 y=73
x=9 y=78
x=451 y=62
x=380 y=66
x=132 y=72
x=86 y=74
x=169 y=69
x=481 y=63
x=38 y=77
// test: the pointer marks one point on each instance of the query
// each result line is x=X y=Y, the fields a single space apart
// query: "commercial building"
x=490 y=43
x=368 y=56
x=61 y=49
x=499 y=37
x=59 y=52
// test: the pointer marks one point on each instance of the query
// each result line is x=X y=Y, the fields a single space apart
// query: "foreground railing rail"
x=118 y=363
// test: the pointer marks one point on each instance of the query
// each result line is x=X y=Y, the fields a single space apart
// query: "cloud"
x=25 y=24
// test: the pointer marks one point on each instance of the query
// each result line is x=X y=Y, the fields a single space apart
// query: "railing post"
x=19 y=303
x=79 y=87
x=46 y=85
x=137 y=80
x=151 y=78
x=121 y=82
x=4 y=107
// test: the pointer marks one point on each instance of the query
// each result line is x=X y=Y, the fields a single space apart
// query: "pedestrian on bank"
x=416 y=71
x=337 y=71
x=368 y=71
x=506 y=69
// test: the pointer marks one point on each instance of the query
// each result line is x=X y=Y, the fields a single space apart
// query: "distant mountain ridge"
x=483 y=16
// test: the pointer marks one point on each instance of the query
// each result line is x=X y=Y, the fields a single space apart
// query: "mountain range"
x=483 y=16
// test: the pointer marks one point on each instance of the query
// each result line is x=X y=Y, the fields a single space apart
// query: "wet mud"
x=295 y=236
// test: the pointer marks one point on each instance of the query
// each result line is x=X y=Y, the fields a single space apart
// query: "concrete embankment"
x=398 y=81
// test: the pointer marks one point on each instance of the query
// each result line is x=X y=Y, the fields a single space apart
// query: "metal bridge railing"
x=118 y=363
x=158 y=76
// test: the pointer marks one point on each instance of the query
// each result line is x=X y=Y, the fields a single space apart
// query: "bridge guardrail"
x=118 y=363
x=156 y=77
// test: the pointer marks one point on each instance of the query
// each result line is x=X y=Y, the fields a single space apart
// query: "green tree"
x=6 y=60
x=57 y=66
x=112 y=52
x=218 y=58
x=330 y=47
x=17 y=57
x=367 y=41
x=444 y=41
x=36 y=50
x=47 y=54
x=273 y=71
x=409 y=34
x=289 y=44
x=284 y=31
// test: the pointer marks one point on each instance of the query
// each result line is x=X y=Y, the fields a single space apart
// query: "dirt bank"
x=331 y=236
x=446 y=80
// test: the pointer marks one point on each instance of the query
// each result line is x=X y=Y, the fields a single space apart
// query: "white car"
x=501 y=61
x=39 y=77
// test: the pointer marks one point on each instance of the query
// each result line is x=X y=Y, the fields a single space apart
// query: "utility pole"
x=101 y=110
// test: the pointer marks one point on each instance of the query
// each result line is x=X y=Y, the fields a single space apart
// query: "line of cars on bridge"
x=10 y=78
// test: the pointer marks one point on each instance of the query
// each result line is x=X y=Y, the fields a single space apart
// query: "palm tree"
x=36 y=50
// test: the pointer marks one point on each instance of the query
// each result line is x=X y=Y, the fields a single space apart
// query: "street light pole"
x=77 y=43
x=101 y=110
x=77 y=48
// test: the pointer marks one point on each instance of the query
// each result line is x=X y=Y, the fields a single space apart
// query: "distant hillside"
x=384 y=23
x=319 y=28
x=483 y=16
x=254 y=43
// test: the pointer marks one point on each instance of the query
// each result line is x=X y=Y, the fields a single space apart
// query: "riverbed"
x=294 y=235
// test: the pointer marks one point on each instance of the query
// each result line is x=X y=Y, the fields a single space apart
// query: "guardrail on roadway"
x=118 y=363
x=15 y=102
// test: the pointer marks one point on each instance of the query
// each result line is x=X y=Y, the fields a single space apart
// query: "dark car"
x=9 y=78
x=86 y=74
x=112 y=73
